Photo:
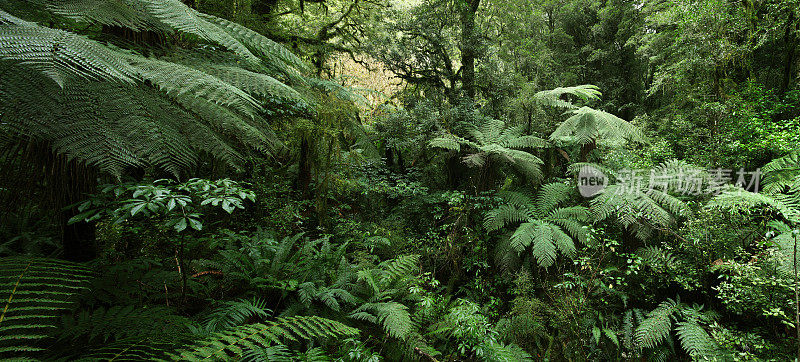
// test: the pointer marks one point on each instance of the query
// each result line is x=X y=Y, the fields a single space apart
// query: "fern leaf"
x=657 y=326
x=34 y=292
x=235 y=341
x=62 y=55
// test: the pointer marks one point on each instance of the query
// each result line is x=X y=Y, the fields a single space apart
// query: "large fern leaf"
x=33 y=293
x=236 y=341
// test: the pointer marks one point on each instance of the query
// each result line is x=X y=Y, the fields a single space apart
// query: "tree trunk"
x=468 y=10
x=303 y=169
x=790 y=45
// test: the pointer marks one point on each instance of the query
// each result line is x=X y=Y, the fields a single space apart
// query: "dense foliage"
x=367 y=180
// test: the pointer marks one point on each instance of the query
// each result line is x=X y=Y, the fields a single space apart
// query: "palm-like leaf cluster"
x=493 y=140
x=544 y=224
x=591 y=126
x=114 y=108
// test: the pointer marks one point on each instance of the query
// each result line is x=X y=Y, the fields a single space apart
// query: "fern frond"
x=392 y=316
x=695 y=340
x=129 y=14
x=185 y=19
x=277 y=54
x=136 y=349
x=503 y=216
x=524 y=142
x=657 y=326
x=62 y=55
x=544 y=239
x=188 y=86
x=234 y=313
x=33 y=293
x=782 y=174
x=234 y=342
x=121 y=322
x=400 y=266
x=585 y=92
x=740 y=199
x=448 y=143
x=588 y=125
x=551 y=195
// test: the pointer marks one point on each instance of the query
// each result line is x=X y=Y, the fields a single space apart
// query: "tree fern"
x=215 y=106
x=782 y=174
x=493 y=140
x=554 y=97
x=590 y=126
x=544 y=226
x=34 y=292
x=643 y=210
x=61 y=55
x=236 y=341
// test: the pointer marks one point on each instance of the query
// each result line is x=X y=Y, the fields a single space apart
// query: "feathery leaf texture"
x=657 y=326
x=738 y=198
x=644 y=210
x=236 y=341
x=106 y=112
x=62 y=55
x=587 y=125
x=544 y=227
x=782 y=174
x=494 y=140
x=122 y=322
x=553 y=97
x=34 y=292
x=392 y=316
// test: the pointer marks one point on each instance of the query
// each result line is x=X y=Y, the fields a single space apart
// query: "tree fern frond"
x=448 y=143
x=544 y=239
x=34 y=292
x=551 y=195
x=187 y=84
x=278 y=55
x=129 y=14
x=588 y=125
x=782 y=174
x=185 y=19
x=258 y=84
x=503 y=216
x=585 y=92
x=741 y=199
x=233 y=342
x=61 y=55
